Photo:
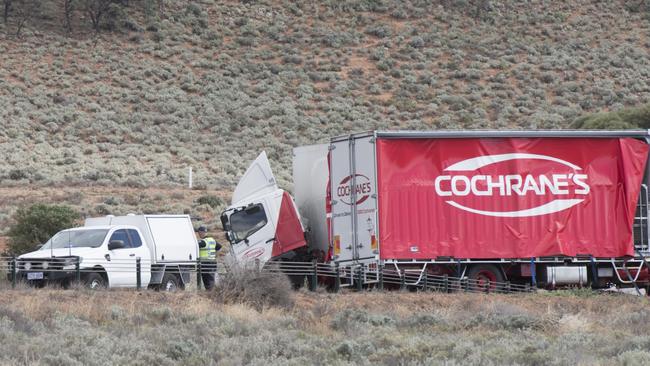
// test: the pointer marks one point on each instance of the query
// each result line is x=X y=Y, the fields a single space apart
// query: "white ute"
x=107 y=249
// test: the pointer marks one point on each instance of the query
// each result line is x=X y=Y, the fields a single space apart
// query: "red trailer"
x=547 y=207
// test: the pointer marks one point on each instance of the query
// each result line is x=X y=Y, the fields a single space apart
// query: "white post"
x=190 y=176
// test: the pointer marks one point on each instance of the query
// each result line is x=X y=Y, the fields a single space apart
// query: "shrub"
x=36 y=224
x=212 y=201
x=254 y=287
x=621 y=119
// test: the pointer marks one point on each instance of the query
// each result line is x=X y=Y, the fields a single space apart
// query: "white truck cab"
x=262 y=222
x=108 y=249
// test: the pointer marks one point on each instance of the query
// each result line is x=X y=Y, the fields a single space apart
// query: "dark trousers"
x=208 y=273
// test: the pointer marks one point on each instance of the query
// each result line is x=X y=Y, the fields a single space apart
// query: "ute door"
x=120 y=263
x=142 y=252
x=253 y=231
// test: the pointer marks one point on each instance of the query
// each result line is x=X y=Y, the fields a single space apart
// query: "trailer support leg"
x=533 y=272
x=381 y=277
x=594 y=273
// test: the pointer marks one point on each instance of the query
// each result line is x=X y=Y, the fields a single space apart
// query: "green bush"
x=212 y=201
x=35 y=224
x=621 y=119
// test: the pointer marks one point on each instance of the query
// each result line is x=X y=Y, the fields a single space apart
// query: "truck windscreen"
x=247 y=221
x=76 y=239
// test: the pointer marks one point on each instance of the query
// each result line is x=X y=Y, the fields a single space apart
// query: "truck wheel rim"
x=483 y=277
x=170 y=286
x=95 y=284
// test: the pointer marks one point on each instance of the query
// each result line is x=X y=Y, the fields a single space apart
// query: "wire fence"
x=142 y=273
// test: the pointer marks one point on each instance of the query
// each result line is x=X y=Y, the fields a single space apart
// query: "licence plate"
x=35 y=275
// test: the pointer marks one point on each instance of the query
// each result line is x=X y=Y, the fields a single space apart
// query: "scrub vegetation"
x=132 y=93
x=77 y=327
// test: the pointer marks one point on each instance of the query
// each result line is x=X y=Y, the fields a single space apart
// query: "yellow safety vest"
x=210 y=249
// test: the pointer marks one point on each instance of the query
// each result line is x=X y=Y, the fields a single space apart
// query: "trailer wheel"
x=485 y=277
x=170 y=282
x=94 y=281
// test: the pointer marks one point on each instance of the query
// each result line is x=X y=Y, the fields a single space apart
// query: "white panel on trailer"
x=354 y=198
x=366 y=199
x=310 y=177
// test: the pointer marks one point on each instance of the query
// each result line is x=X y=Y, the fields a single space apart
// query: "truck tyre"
x=171 y=282
x=94 y=281
x=483 y=274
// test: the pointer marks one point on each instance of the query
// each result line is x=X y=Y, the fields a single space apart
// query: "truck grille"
x=39 y=264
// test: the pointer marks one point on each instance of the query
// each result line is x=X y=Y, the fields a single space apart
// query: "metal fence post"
x=337 y=279
x=445 y=282
x=198 y=275
x=465 y=284
x=138 y=273
x=426 y=281
x=77 y=270
x=13 y=273
x=487 y=288
x=402 y=285
x=359 y=278
x=507 y=286
x=314 y=277
x=381 y=277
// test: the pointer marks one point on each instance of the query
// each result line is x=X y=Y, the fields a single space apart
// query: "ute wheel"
x=170 y=282
x=483 y=274
x=94 y=281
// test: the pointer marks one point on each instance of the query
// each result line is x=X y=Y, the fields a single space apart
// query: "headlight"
x=27 y=266
x=72 y=264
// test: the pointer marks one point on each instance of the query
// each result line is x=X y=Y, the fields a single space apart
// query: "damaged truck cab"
x=262 y=222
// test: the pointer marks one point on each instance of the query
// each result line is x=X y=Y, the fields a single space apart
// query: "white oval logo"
x=456 y=184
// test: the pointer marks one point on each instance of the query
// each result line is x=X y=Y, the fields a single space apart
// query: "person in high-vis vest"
x=208 y=248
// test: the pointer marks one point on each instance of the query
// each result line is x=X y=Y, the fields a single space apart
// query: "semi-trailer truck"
x=548 y=207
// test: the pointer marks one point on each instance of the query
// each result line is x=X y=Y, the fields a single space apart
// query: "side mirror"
x=115 y=244
x=224 y=222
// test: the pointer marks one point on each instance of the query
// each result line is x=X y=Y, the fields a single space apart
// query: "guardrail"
x=335 y=277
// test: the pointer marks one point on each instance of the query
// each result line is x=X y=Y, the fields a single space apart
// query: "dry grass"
x=321 y=328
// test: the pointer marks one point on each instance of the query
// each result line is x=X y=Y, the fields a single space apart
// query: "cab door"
x=253 y=231
x=141 y=251
x=120 y=263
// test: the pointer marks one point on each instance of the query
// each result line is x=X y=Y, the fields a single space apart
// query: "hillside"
x=209 y=84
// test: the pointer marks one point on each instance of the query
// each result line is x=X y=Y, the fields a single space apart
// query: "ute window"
x=122 y=236
x=76 y=239
x=247 y=221
x=136 y=242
